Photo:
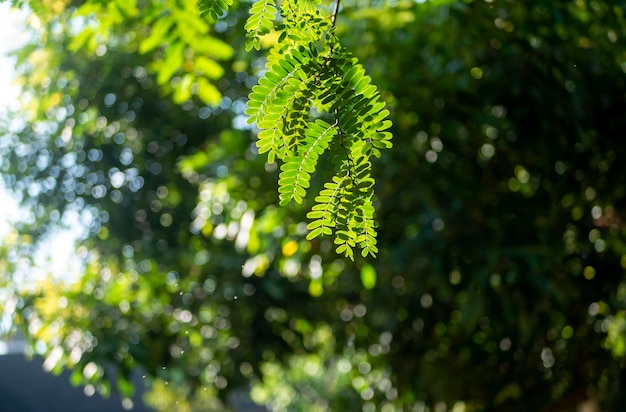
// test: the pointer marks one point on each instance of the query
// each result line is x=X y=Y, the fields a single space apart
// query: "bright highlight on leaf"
x=368 y=276
x=312 y=98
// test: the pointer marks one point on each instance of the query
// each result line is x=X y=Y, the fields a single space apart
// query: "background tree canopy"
x=500 y=279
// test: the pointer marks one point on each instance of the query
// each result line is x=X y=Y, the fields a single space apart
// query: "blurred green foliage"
x=500 y=280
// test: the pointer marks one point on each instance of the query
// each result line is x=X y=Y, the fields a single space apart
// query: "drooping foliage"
x=315 y=97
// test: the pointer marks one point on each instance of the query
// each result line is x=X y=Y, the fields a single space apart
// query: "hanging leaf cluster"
x=315 y=98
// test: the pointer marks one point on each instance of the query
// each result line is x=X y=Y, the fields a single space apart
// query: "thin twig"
x=335 y=12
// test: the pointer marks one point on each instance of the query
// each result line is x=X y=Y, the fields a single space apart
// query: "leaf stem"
x=335 y=12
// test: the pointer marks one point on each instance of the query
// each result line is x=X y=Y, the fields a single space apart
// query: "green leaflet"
x=260 y=22
x=213 y=9
x=323 y=214
x=307 y=72
x=282 y=76
x=296 y=169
